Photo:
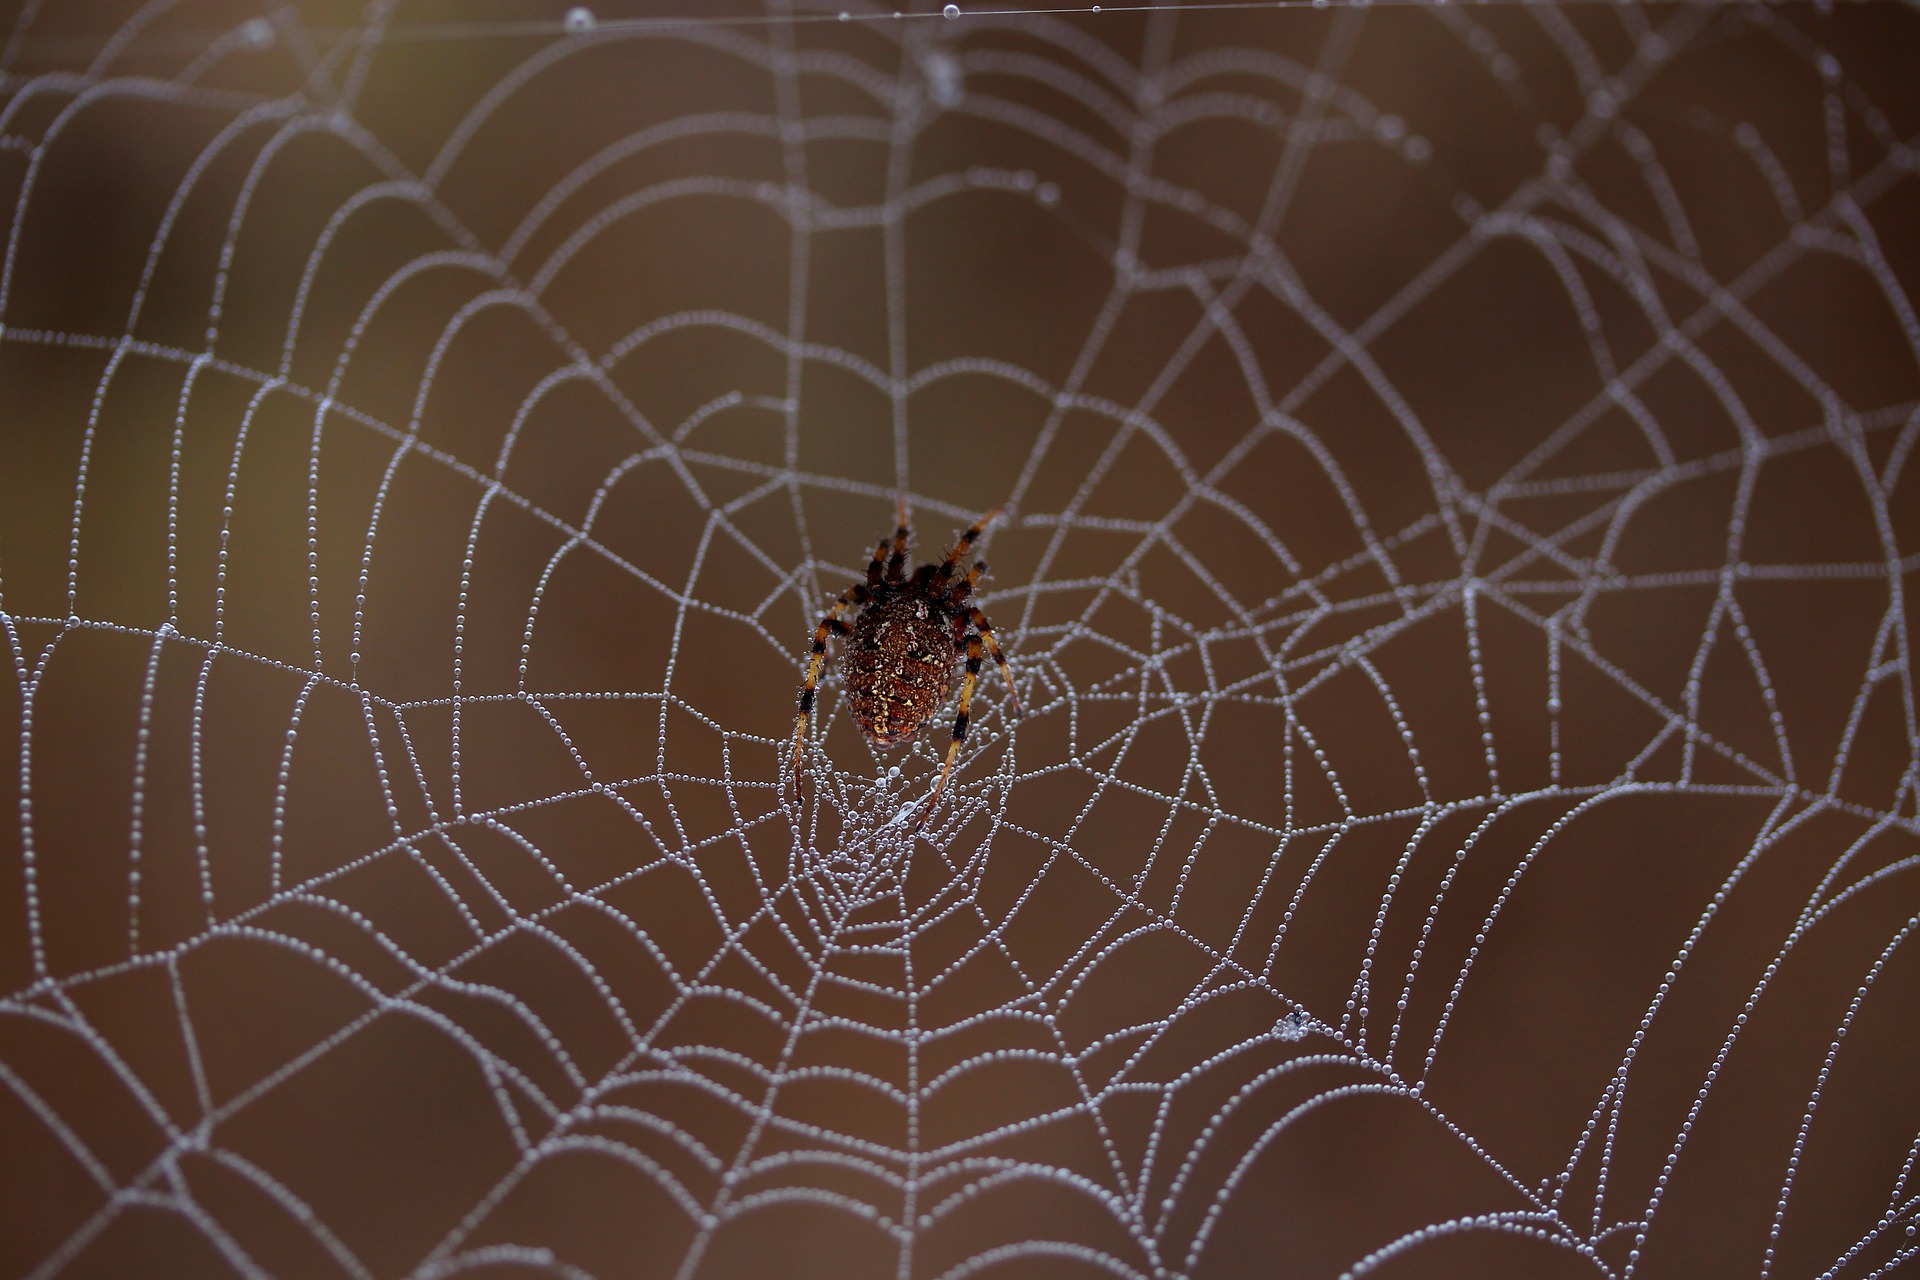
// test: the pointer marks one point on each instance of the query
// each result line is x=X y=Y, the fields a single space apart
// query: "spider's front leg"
x=833 y=623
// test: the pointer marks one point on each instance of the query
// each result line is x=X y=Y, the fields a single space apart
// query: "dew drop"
x=257 y=32
x=1047 y=193
x=1293 y=1025
x=946 y=82
x=578 y=21
x=951 y=11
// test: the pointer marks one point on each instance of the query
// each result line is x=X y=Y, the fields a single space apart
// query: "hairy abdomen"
x=898 y=669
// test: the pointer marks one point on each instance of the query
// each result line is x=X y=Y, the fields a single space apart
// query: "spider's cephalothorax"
x=901 y=648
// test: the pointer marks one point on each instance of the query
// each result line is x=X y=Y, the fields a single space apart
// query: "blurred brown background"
x=1463 y=503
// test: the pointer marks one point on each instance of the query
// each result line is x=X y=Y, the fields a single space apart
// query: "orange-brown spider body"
x=904 y=644
x=898 y=666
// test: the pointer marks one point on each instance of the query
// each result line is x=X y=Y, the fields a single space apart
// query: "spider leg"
x=959 y=591
x=834 y=623
x=876 y=566
x=959 y=725
x=896 y=565
x=967 y=539
x=985 y=628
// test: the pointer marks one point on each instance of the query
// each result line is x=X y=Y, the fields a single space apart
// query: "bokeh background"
x=1462 y=502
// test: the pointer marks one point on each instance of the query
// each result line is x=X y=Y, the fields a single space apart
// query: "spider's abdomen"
x=898 y=668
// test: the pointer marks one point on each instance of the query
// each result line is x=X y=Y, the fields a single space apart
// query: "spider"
x=898 y=664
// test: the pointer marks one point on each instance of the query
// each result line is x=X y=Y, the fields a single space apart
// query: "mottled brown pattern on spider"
x=902 y=647
x=898 y=667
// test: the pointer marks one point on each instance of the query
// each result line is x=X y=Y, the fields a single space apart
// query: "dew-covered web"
x=1460 y=464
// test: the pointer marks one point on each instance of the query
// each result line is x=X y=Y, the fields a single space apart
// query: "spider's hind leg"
x=985 y=628
x=833 y=623
x=959 y=726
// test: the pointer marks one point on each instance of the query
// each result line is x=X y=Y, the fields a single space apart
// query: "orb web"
x=1460 y=460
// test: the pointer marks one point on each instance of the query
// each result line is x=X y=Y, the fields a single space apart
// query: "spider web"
x=1463 y=819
